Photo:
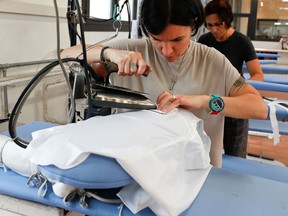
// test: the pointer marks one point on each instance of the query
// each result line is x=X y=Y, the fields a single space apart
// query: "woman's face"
x=217 y=27
x=172 y=42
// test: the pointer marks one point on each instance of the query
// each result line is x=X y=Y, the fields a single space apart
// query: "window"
x=100 y=9
x=244 y=17
x=272 y=20
x=261 y=19
x=99 y=14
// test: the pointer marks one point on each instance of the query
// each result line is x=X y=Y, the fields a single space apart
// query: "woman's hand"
x=167 y=101
x=129 y=62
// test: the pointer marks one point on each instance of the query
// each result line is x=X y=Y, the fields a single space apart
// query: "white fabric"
x=136 y=198
x=274 y=122
x=62 y=190
x=167 y=155
x=214 y=75
x=12 y=157
x=273 y=118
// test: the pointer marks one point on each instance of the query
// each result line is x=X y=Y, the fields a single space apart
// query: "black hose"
x=24 y=95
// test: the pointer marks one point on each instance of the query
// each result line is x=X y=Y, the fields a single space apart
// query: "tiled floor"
x=264 y=148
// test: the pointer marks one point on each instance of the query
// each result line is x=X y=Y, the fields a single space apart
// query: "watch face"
x=217 y=104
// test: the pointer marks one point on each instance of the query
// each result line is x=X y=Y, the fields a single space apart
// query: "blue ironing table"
x=275 y=69
x=271 y=68
x=223 y=193
x=268 y=55
x=269 y=86
x=272 y=78
x=269 y=61
x=245 y=187
x=265 y=126
x=281 y=112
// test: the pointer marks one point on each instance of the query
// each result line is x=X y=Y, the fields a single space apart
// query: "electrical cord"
x=44 y=71
x=24 y=95
x=31 y=85
x=84 y=52
x=72 y=101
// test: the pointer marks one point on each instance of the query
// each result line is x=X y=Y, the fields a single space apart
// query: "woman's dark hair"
x=222 y=8
x=156 y=15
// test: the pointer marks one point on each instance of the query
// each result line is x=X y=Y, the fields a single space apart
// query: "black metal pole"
x=72 y=22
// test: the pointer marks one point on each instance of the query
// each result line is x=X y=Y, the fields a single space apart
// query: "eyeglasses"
x=217 y=25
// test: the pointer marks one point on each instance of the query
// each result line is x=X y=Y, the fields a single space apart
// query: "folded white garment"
x=167 y=155
x=12 y=157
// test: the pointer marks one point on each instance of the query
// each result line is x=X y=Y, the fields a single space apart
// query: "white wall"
x=28 y=33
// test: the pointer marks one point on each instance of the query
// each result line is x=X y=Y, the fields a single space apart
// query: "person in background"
x=183 y=73
x=238 y=48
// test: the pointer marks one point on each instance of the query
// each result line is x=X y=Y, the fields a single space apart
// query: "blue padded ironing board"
x=227 y=193
x=265 y=126
x=274 y=69
x=222 y=185
x=272 y=78
x=281 y=113
x=271 y=68
x=14 y=185
x=267 y=55
x=269 y=86
x=270 y=61
x=245 y=166
x=242 y=194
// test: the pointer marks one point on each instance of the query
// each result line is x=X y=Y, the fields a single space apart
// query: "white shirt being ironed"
x=205 y=71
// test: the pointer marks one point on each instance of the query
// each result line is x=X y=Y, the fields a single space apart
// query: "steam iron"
x=108 y=95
